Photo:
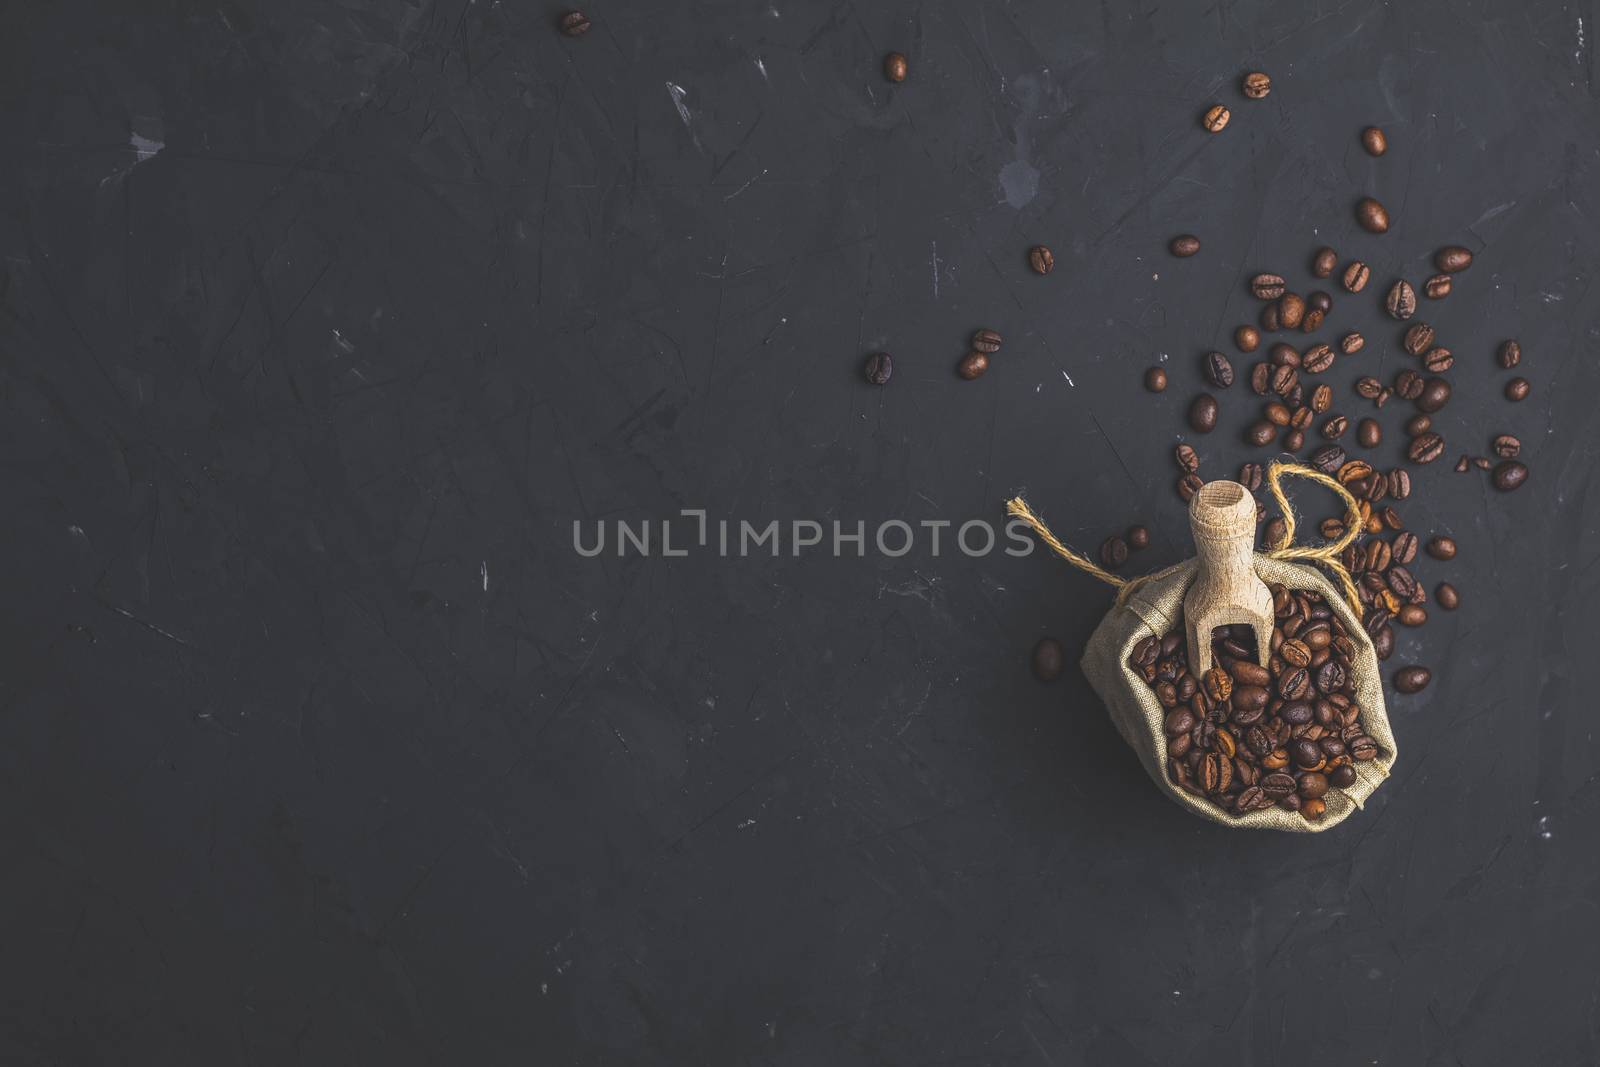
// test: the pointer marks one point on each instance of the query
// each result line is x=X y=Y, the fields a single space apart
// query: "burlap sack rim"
x=1154 y=610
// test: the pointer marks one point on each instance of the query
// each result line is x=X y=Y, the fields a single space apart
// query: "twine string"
x=1327 y=554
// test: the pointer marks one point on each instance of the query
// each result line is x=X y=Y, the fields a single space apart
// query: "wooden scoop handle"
x=1226 y=590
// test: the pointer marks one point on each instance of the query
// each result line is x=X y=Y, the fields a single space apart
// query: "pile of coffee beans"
x=1246 y=737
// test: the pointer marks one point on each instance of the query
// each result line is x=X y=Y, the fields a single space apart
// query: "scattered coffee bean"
x=1261 y=434
x=1418 y=424
x=1410 y=680
x=1408 y=385
x=1266 y=286
x=1261 y=379
x=1373 y=216
x=1273 y=534
x=1373 y=140
x=1138 y=538
x=1294 y=440
x=1257 y=85
x=1335 y=427
x=1435 y=395
x=1404 y=547
x=1312 y=321
x=1283 y=355
x=1425 y=447
x=575 y=24
x=1041 y=259
x=1506 y=447
x=1418 y=338
x=1399 y=483
x=879 y=368
x=1437 y=287
x=1518 y=389
x=1269 y=318
x=1356 y=276
x=1320 y=301
x=1442 y=547
x=1510 y=354
x=1285 y=380
x=1203 y=413
x=1155 y=379
x=1246 y=338
x=1184 y=245
x=1216 y=118
x=986 y=341
x=1250 y=475
x=1328 y=458
x=1438 y=359
x=972 y=365
x=1321 y=399
x=1382 y=398
x=1048 y=659
x=1412 y=615
x=1509 y=475
x=1187 y=458
x=1452 y=259
x=1189 y=485
x=1301 y=417
x=1291 y=309
x=1317 y=358
x=1401 y=302
x=1368 y=388
x=1326 y=260
x=1218 y=371
x=1351 y=343
x=894 y=67
x=1369 y=434
x=1447 y=597
x=1113 y=553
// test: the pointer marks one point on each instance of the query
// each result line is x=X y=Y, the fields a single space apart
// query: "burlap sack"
x=1154 y=609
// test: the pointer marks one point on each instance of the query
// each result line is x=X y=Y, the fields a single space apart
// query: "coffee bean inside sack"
x=1247 y=737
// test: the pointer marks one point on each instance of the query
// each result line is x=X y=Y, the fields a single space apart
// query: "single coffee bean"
x=1278 y=414
x=1188 y=459
x=879 y=368
x=1442 y=547
x=1506 y=447
x=1138 y=538
x=575 y=24
x=1155 y=379
x=1401 y=581
x=1293 y=441
x=1317 y=358
x=1351 y=343
x=1518 y=389
x=1435 y=395
x=986 y=341
x=972 y=365
x=1418 y=338
x=1216 y=118
x=1218 y=371
x=1313 y=785
x=1188 y=486
x=1408 y=385
x=1203 y=413
x=1404 y=548
x=1369 y=434
x=1113 y=553
x=1257 y=85
x=1291 y=309
x=1301 y=417
x=1382 y=398
x=1328 y=458
x=1250 y=475
x=1406 y=680
x=1399 y=483
x=1447 y=597
x=1373 y=140
x=1312 y=320
x=1426 y=447
x=1452 y=259
x=1323 y=264
x=1510 y=354
x=1261 y=379
x=894 y=67
x=1285 y=380
x=1342 y=776
x=1319 y=300
x=1438 y=359
x=1284 y=355
x=1247 y=338
x=1418 y=424
x=1509 y=475
x=1048 y=659
x=1373 y=216
x=1261 y=434
x=1368 y=388
x=1401 y=301
x=1356 y=276
x=1437 y=287
x=1266 y=286
x=1321 y=398
x=1335 y=427
x=1041 y=259
x=1184 y=245
x=1269 y=318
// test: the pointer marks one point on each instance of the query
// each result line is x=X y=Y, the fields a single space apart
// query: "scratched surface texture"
x=320 y=324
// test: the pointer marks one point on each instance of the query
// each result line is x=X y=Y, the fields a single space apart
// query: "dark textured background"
x=320 y=324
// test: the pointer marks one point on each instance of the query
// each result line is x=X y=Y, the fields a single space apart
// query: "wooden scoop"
x=1222 y=517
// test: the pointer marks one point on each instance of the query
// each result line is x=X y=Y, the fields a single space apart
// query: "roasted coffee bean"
x=1321 y=399
x=1278 y=414
x=1261 y=434
x=1256 y=85
x=1425 y=447
x=1041 y=259
x=1373 y=140
x=1284 y=355
x=1342 y=776
x=1285 y=380
x=1138 y=538
x=1246 y=338
x=1188 y=459
x=1382 y=398
x=1399 y=483
x=1408 y=385
x=1250 y=476
x=1251 y=798
x=1509 y=475
x=1438 y=359
x=1188 y=486
x=1401 y=302
x=1313 y=785
x=1518 y=389
x=1406 y=680
x=1378 y=555
x=986 y=341
x=1328 y=458
x=1418 y=424
x=1269 y=318
x=1383 y=642
x=1312 y=321
x=1446 y=597
x=1266 y=286
x=1510 y=354
x=1307 y=754
x=973 y=365
x=1335 y=427
x=1331 y=677
x=1452 y=259
x=1155 y=379
x=1218 y=371
x=1404 y=547
x=1401 y=581
x=1316 y=359
x=1216 y=118
x=1437 y=287
x=894 y=67
x=1356 y=276
x=1373 y=216
x=1203 y=413
x=1048 y=659
x=1293 y=441
x=1369 y=434
x=1291 y=309
x=1261 y=378
x=1368 y=388
x=575 y=24
x=1113 y=553
x=1319 y=301
x=1435 y=395
x=1506 y=447
x=1418 y=338
x=879 y=368
x=1351 y=343
x=1184 y=245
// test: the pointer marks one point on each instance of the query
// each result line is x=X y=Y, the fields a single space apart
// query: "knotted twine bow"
x=1327 y=555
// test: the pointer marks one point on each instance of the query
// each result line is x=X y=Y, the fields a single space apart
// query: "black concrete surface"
x=321 y=324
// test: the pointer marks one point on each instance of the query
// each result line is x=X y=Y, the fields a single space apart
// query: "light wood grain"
x=1222 y=518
